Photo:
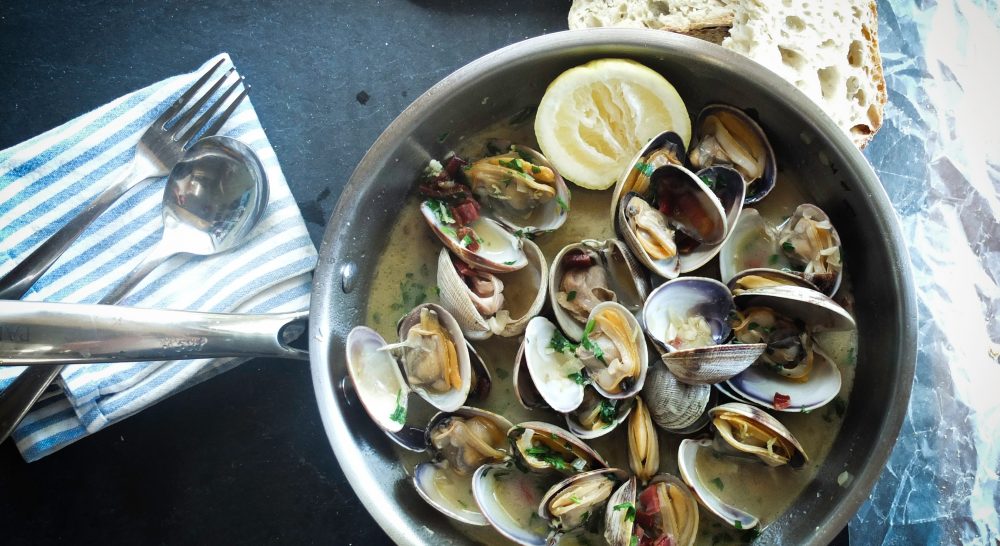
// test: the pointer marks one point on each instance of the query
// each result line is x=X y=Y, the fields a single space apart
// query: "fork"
x=158 y=150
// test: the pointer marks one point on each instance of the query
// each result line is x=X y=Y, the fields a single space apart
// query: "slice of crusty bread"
x=676 y=15
x=826 y=48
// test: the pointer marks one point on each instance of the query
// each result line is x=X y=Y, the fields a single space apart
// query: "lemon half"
x=595 y=117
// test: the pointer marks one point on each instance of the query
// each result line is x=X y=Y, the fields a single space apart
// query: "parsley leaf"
x=629 y=510
x=571 y=295
x=644 y=168
x=399 y=415
x=788 y=247
x=607 y=411
x=563 y=205
x=581 y=378
x=708 y=182
x=441 y=211
x=590 y=345
x=560 y=344
x=717 y=482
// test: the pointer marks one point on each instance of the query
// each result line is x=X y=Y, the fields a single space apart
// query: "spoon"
x=215 y=195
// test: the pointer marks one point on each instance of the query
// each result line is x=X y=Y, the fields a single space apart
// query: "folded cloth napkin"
x=47 y=180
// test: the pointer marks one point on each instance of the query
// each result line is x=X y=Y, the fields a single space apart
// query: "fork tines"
x=183 y=121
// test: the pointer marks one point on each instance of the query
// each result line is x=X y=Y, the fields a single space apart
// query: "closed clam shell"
x=456 y=298
x=674 y=406
x=643 y=443
x=710 y=365
x=687 y=456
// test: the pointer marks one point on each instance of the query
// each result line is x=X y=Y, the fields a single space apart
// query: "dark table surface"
x=240 y=459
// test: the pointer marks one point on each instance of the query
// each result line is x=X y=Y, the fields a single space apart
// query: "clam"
x=749 y=430
x=477 y=300
x=724 y=135
x=674 y=406
x=729 y=189
x=809 y=241
x=763 y=277
x=521 y=190
x=524 y=386
x=461 y=442
x=753 y=244
x=666 y=148
x=556 y=372
x=613 y=351
x=543 y=447
x=687 y=318
x=380 y=386
x=590 y=272
x=643 y=444
x=433 y=354
x=678 y=214
x=481 y=243
x=571 y=503
x=596 y=415
x=663 y=512
x=793 y=374
x=687 y=457
x=508 y=498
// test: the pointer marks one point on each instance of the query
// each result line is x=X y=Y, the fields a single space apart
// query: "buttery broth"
x=406 y=277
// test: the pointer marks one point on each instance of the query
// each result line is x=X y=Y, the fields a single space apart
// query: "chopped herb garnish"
x=737 y=524
x=634 y=541
x=501 y=373
x=753 y=326
x=571 y=295
x=535 y=169
x=399 y=415
x=717 y=482
x=644 y=168
x=562 y=204
x=580 y=378
x=466 y=241
x=708 y=182
x=629 y=510
x=377 y=317
x=437 y=290
x=442 y=136
x=513 y=164
x=449 y=231
x=519 y=233
x=788 y=247
x=544 y=454
x=441 y=211
x=607 y=411
x=459 y=501
x=424 y=270
x=509 y=262
x=560 y=344
x=590 y=345
x=575 y=499
x=805 y=410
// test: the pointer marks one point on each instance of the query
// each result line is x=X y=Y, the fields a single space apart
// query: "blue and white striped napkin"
x=47 y=180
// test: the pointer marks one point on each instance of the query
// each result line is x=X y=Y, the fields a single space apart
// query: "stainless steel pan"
x=498 y=86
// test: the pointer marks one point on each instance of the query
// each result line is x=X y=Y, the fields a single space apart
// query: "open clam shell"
x=815 y=309
x=380 y=386
x=570 y=503
x=614 y=327
x=751 y=430
x=461 y=442
x=751 y=244
x=761 y=386
x=598 y=271
x=687 y=457
x=543 y=447
x=675 y=406
x=730 y=190
x=628 y=512
x=534 y=219
x=499 y=250
x=810 y=242
x=597 y=416
x=681 y=202
x=508 y=498
x=552 y=365
x=763 y=277
x=423 y=376
x=664 y=148
x=725 y=135
x=524 y=386
x=512 y=310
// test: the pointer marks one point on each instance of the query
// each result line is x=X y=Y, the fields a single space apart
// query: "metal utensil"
x=46 y=333
x=159 y=148
x=214 y=197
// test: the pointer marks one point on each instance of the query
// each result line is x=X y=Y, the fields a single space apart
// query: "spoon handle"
x=19 y=280
x=47 y=336
x=156 y=256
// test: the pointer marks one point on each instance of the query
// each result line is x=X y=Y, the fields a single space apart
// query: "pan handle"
x=44 y=333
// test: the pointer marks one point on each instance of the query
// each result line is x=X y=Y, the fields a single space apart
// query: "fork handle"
x=19 y=280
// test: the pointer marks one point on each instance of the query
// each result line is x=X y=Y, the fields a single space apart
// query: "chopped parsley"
x=590 y=345
x=509 y=262
x=629 y=510
x=607 y=412
x=449 y=231
x=563 y=205
x=560 y=344
x=466 y=241
x=441 y=211
x=501 y=373
x=580 y=378
x=513 y=164
x=575 y=499
x=544 y=454
x=737 y=524
x=788 y=247
x=717 y=482
x=708 y=182
x=634 y=541
x=411 y=295
x=377 y=317
x=753 y=326
x=571 y=295
x=535 y=169
x=399 y=415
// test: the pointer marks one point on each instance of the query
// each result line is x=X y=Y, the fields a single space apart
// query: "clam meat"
x=750 y=430
x=584 y=284
x=725 y=135
x=512 y=180
x=467 y=443
x=613 y=351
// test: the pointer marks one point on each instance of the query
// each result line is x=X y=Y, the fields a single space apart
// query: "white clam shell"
x=759 y=385
x=455 y=295
x=376 y=378
x=500 y=251
x=751 y=244
x=549 y=216
x=507 y=499
x=640 y=340
x=686 y=462
x=548 y=373
x=617 y=526
x=830 y=285
x=427 y=478
x=455 y=398
x=685 y=297
x=757 y=188
x=615 y=474
x=622 y=411
x=766 y=421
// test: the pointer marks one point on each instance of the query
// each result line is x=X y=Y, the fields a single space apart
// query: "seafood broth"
x=406 y=276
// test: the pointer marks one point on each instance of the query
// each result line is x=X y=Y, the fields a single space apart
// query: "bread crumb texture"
x=675 y=15
x=828 y=49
